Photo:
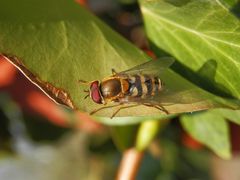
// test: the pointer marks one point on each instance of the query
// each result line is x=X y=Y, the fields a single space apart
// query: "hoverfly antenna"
x=88 y=93
x=83 y=82
x=86 y=96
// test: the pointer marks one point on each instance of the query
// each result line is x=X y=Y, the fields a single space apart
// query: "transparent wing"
x=175 y=90
x=153 y=67
x=181 y=96
x=169 y=97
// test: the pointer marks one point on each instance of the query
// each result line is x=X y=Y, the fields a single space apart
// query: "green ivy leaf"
x=202 y=35
x=210 y=129
x=227 y=3
x=56 y=43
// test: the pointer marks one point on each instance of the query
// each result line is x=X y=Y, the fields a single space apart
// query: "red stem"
x=129 y=165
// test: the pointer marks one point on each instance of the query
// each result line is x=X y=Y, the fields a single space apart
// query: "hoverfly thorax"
x=95 y=92
x=111 y=88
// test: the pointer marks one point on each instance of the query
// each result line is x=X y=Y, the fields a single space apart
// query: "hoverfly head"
x=95 y=92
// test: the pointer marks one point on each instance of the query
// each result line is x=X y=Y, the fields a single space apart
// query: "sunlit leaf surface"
x=55 y=47
x=202 y=35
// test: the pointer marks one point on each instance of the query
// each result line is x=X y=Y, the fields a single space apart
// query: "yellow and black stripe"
x=144 y=85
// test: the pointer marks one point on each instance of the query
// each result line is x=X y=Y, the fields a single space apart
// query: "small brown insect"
x=136 y=86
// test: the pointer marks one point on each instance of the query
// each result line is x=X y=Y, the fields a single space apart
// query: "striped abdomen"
x=144 y=85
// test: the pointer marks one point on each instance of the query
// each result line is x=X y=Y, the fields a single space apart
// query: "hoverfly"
x=136 y=86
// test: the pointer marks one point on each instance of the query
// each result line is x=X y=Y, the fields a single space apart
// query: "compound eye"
x=95 y=93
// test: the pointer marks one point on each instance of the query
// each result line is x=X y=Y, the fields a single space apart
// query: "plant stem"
x=130 y=164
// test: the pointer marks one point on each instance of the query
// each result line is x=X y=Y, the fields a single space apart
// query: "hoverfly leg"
x=104 y=107
x=157 y=106
x=82 y=81
x=161 y=108
x=114 y=72
x=123 y=107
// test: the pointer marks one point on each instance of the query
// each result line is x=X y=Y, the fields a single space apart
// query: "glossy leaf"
x=55 y=47
x=231 y=115
x=210 y=129
x=202 y=35
x=228 y=3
